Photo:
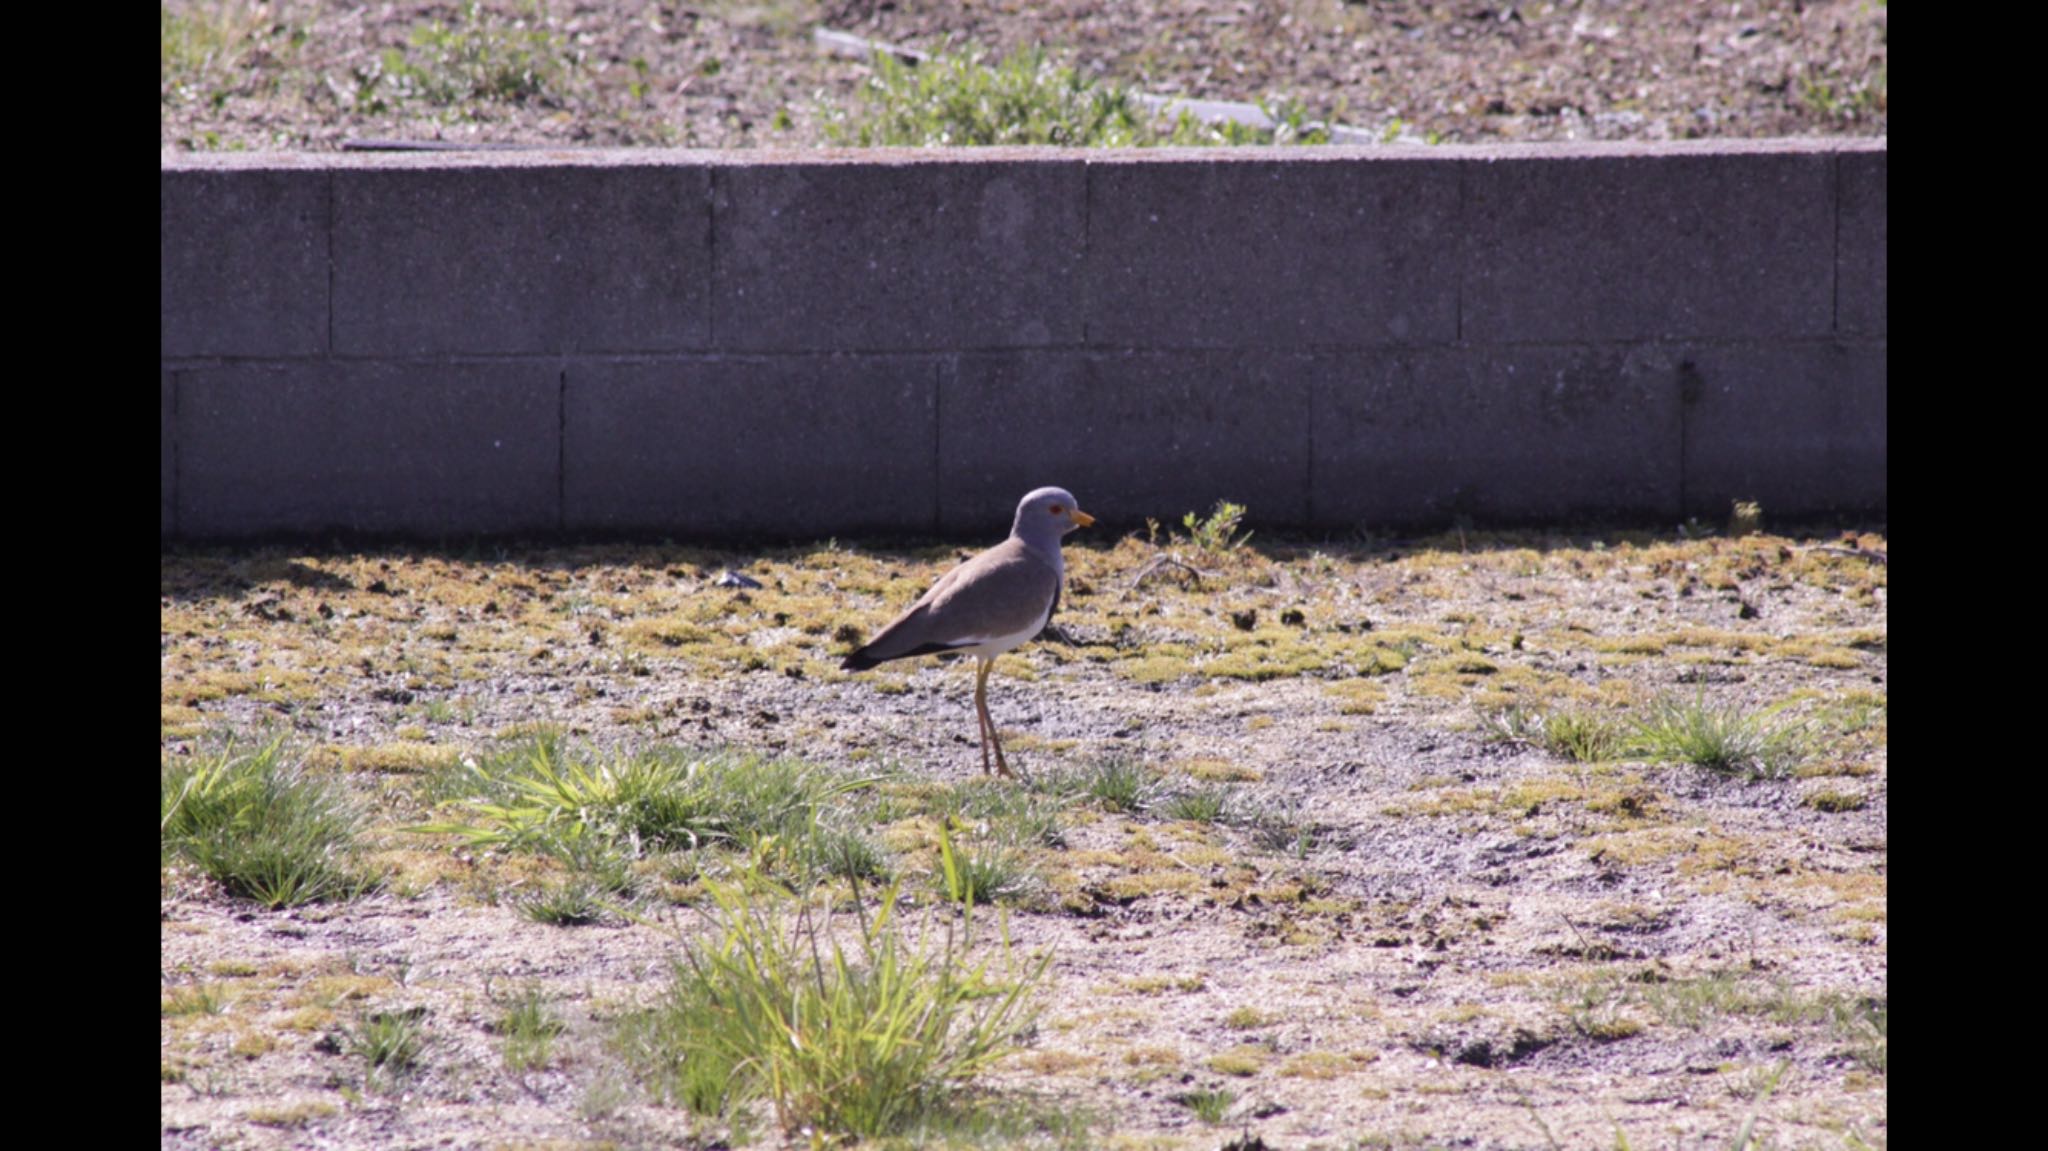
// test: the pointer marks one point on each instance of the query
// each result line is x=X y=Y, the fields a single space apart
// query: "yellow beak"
x=1083 y=518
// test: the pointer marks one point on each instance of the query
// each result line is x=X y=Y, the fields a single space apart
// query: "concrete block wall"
x=711 y=345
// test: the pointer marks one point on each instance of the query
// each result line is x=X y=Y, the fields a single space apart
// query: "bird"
x=988 y=604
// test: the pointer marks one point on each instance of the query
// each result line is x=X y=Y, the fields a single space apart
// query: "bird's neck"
x=1047 y=549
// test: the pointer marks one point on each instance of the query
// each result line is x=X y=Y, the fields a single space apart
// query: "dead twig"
x=1163 y=561
x=1857 y=553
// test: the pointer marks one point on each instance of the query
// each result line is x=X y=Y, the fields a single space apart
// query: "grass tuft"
x=967 y=101
x=970 y=100
x=1282 y=827
x=210 y=51
x=1859 y=1022
x=846 y=854
x=480 y=58
x=1582 y=736
x=1199 y=805
x=984 y=873
x=1120 y=784
x=196 y=999
x=577 y=901
x=1729 y=740
x=1579 y=736
x=547 y=799
x=1209 y=1105
x=257 y=824
x=1028 y=816
x=529 y=1027
x=388 y=1042
x=862 y=1037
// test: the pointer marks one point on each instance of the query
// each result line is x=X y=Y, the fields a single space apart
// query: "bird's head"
x=1049 y=512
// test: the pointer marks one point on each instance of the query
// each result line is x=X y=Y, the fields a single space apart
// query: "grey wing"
x=1004 y=592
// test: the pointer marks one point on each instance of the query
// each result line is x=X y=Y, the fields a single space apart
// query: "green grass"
x=574 y=902
x=1729 y=740
x=1217 y=534
x=1864 y=1025
x=1693 y=1002
x=1847 y=99
x=969 y=100
x=846 y=854
x=528 y=1028
x=1512 y=724
x=196 y=999
x=982 y=873
x=256 y=823
x=1120 y=784
x=1859 y=1023
x=388 y=1042
x=1582 y=736
x=214 y=50
x=1596 y=1010
x=543 y=798
x=211 y=49
x=1282 y=827
x=1579 y=736
x=1608 y=1007
x=587 y=808
x=1004 y=1123
x=1208 y=1105
x=480 y=58
x=862 y=1029
x=1199 y=805
x=1009 y=814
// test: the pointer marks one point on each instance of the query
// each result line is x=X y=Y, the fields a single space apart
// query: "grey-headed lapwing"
x=989 y=604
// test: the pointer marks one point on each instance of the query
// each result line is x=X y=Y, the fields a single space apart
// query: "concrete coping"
x=894 y=157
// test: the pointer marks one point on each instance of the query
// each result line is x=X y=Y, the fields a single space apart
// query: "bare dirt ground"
x=1479 y=943
x=299 y=74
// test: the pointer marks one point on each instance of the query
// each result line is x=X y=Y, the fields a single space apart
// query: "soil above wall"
x=294 y=76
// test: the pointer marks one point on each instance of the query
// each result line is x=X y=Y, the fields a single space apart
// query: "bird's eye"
x=1057 y=509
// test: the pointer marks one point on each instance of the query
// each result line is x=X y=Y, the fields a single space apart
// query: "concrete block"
x=243 y=262
x=1205 y=251
x=1499 y=434
x=1801 y=429
x=1667 y=247
x=167 y=457
x=551 y=260
x=1132 y=435
x=903 y=253
x=416 y=449
x=1860 y=297
x=793 y=445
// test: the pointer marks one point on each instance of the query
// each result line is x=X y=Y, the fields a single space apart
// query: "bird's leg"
x=1002 y=765
x=981 y=710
